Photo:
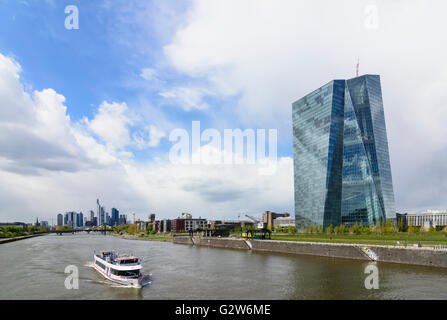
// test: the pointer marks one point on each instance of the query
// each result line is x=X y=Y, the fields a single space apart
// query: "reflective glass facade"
x=342 y=170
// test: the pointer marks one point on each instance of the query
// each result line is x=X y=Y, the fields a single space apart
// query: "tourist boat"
x=122 y=269
x=368 y=252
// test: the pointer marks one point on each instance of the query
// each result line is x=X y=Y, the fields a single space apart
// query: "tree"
x=330 y=229
x=132 y=229
x=291 y=229
x=149 y=228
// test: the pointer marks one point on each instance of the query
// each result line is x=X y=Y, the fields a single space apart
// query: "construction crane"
x=259 y=224
x=357 y=67
x=261 y=233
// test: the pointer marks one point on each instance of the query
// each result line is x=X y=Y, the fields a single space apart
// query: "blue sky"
x=136 y=70
x=103 y=60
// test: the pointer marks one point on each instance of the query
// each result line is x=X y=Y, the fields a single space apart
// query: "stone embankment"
x=425 y=256
x=6 y=240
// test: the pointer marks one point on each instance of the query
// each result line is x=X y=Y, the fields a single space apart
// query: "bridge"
x=73 y=231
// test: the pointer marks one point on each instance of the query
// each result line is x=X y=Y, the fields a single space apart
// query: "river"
x=34 y=269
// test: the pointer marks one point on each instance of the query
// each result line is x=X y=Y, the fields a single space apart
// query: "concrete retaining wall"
x=405 y=255
x=310 y=248
x=417 y=256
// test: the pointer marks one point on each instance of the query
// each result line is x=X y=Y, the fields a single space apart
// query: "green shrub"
x=329 y=230
x=291 y=229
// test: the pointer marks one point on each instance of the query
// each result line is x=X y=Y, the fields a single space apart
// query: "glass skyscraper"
x=342 y=170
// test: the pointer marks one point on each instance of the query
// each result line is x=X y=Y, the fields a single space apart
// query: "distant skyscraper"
x=60 y=220
x=115 y=217
x=342 y=168
x=70 y=219
x=98 y=211
x=102 y=216
x=80 y=219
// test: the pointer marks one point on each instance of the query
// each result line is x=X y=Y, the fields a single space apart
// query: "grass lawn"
x=432 y=238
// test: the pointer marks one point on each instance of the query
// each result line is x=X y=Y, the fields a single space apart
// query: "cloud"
x=187 y=98
x=271 y=53
x=35 y=131
x=148 y=73
x=111 y=124
x=50 y=165
x=153 y=140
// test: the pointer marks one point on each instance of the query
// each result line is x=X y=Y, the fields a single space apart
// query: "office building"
x=342 y=171
x=60 y=220
x=80 y=219
x=427 y=219
x=115 y=217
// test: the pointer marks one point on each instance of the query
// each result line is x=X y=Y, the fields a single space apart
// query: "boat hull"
x=124 y=281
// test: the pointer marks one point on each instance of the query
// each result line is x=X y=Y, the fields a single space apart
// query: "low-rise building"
x=165 y=225
x=178 y=225
x=14 y=224
x=282 y=222
x=194 y=224
x=269 y=217
x=157 y=225
x=141 y=225
x=427 y=219
x=186 y=223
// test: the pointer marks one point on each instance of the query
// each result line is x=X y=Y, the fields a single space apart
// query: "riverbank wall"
x=394 y=254
x=6 y=240
x=133 y=237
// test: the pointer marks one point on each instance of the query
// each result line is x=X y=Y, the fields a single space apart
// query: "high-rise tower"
x=342 y=168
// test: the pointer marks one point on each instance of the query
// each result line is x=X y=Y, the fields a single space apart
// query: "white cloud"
x=187 y=98
x=36 y=133
x=111 y=124
x=155 y=136
x=148 y=73
x=49 y=165
x=271 y=53
x=153 y=139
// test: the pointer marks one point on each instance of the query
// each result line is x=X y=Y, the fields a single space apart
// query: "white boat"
x=122 y=269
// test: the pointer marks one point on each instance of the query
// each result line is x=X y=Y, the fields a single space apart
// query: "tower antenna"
x=357 y=67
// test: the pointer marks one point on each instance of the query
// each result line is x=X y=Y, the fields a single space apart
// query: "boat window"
x=128 y=261
x=128 y=273
x=99 y=264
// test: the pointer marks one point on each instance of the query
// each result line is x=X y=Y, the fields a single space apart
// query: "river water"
x=34 y=269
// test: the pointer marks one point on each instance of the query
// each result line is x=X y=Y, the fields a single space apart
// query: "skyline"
x=87 y=113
